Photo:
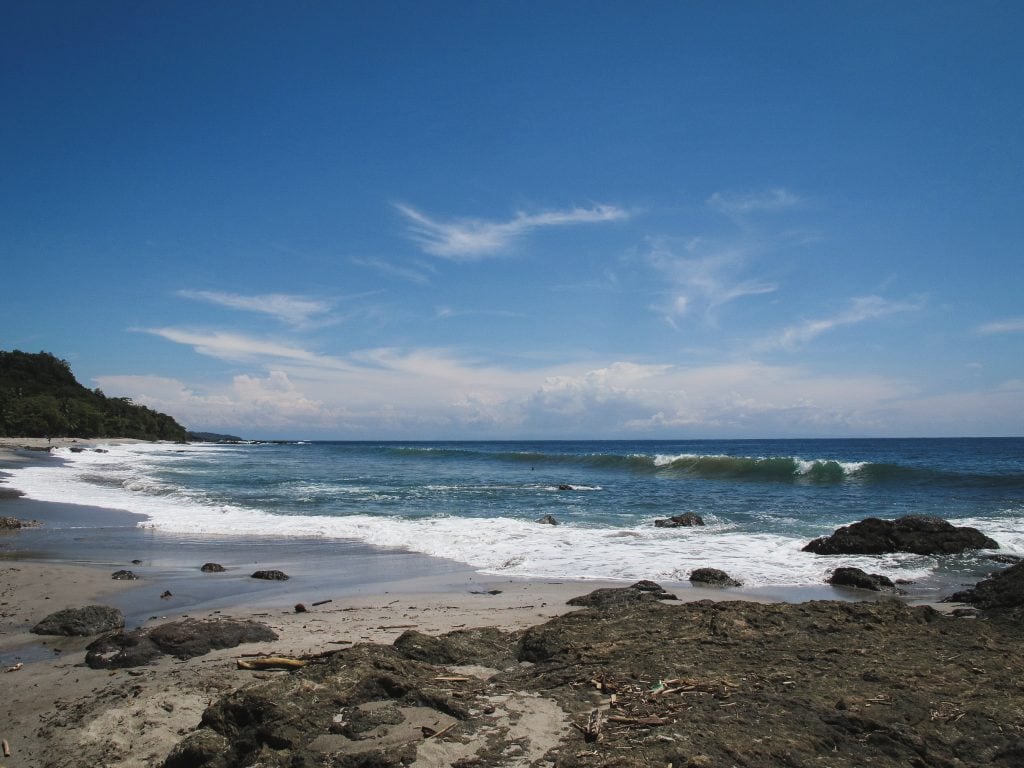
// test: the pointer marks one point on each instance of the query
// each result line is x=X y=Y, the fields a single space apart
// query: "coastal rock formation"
x=714 y=577
x=917 y=534
x=547 y=520
x=123 y=576
x=212 y=568
x=606 y=597
x=271 y=575
x=1001 y=594
x=858 y=579
x=694 y=684
x=16 y=524
x=181 y=639
x=685 y=520
x=81 y=622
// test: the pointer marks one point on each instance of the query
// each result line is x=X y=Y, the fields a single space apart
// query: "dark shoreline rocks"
x=212 y=568
x=1001 y=594
x=914 y=533
x=123 y=575
x=713 y=577
x=606 y=597
x=858 y=579
x=80 y=622
x=271 y=575
x=181 y=639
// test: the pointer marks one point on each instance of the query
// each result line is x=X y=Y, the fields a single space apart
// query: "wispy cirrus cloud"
x=859 y=310
x=286 y=308
x=703 y=274
x=1009 y=325
x=770 y=201
x=237 y=347
x=416 y=274
x=469 y=239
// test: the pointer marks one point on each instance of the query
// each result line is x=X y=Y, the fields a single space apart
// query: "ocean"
x=478 y=503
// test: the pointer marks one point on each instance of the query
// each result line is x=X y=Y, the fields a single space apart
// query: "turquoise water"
x=477 y=502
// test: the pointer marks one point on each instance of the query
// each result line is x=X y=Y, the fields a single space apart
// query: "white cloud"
x=1009 y=325
x=468 y=239
x=771 y=201
x=293 y=310
x=860 y=309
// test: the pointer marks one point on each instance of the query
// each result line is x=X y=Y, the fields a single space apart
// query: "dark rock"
x=1001 y=593
x=917 y=534
x=123 y=576
x=81 y=622
x=714 y=578
x=606 y=597
x=121 y=650
x=858 y=579
x=547 y=520
x=271 y=575
x=300 y=608
x=182 y=639
x=15 y=524
x=565 y=487
x=200 y=749
x=212 y=568
x=1004 y=559
x=686 y=520
x=166 y=595
x=136 y=562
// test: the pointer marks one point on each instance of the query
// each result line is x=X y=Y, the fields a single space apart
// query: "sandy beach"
x=515 y=676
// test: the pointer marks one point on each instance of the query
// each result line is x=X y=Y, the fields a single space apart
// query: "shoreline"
x=59 y=713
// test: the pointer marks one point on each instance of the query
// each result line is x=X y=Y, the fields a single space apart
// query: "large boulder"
x=81 y=622
x=917 y=534
x=858 y=579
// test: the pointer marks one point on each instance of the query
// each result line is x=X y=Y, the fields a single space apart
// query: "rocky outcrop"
x=714 y=578
x=123 y=576
x=917 y=534
x=212 y=568
x=181 y=639
x=547 y=520
x=1001 y=594
x=685 y=520
x=607 y=597
x=858 y=579
x=81 y=622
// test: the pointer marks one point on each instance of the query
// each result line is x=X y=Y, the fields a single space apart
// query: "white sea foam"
x=498 y=545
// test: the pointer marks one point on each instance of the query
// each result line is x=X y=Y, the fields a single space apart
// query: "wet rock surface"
x=606 y=597
x=80 y=622
x=182 y=639
x=212 y=568
x=1000 y=595
x=686 y=520
x=917 y=534
x=271 y=575
x=713 y=577
x=124 y=575
x=858 y=579
x=647 y=683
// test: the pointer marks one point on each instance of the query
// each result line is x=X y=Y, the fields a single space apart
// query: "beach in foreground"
x=517 y=676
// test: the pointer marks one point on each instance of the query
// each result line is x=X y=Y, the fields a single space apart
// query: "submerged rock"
x=685 y=520
x=714 y=577
x=914 y=533
x=547 y=520
x=858 y=579
x=81 y=622
x=212 y=568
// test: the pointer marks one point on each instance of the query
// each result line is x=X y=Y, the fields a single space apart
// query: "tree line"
x=40 y=397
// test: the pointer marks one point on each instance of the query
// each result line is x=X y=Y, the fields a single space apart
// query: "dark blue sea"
x=478 y=502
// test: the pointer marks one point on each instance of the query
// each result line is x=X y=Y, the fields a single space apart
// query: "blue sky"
x=569 y=219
